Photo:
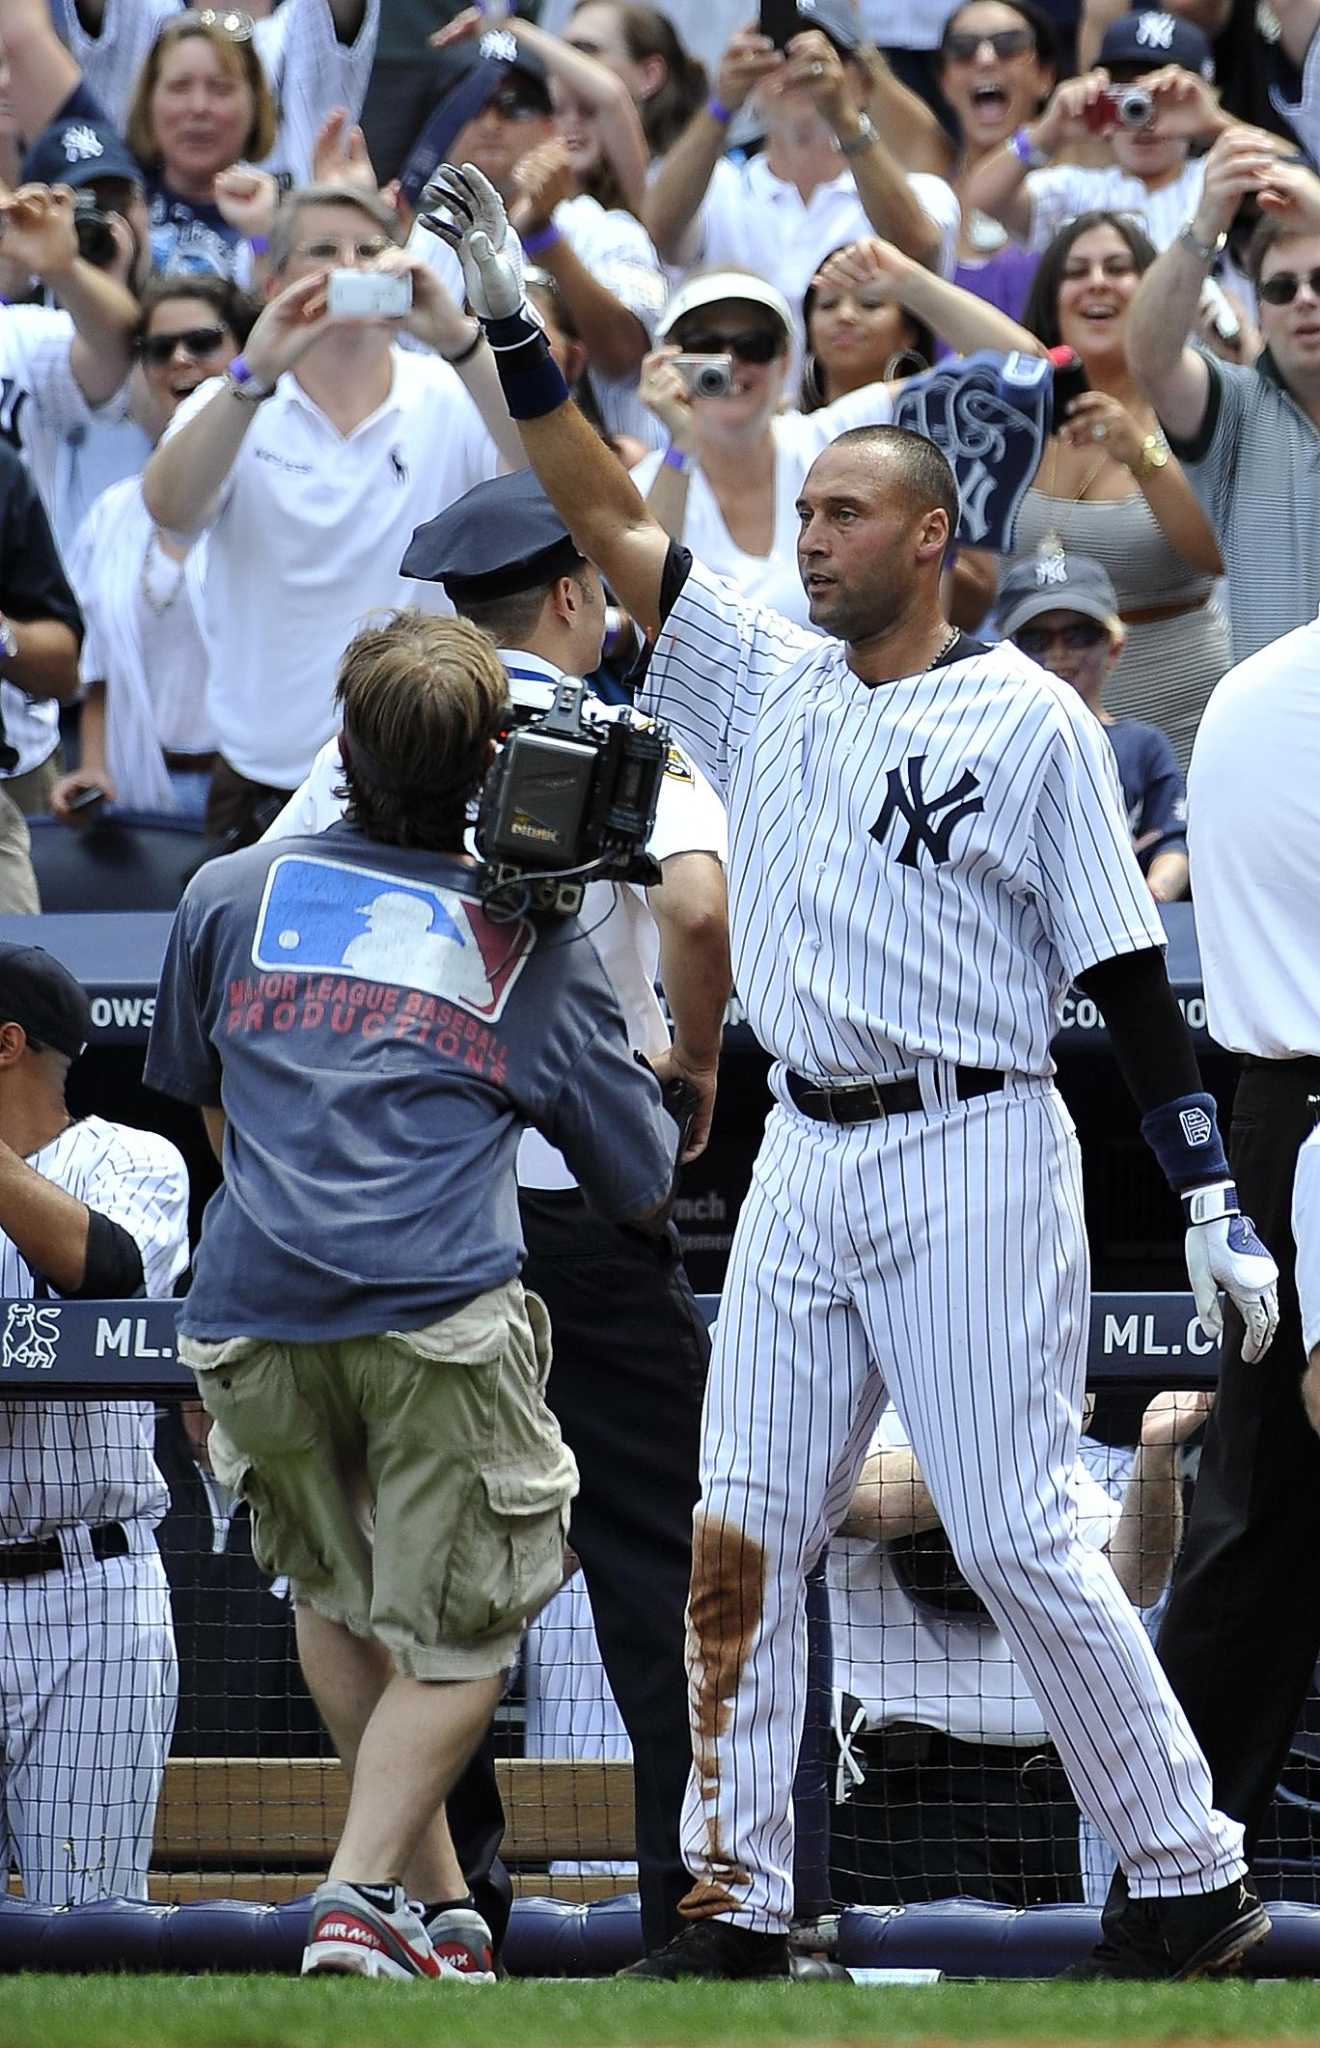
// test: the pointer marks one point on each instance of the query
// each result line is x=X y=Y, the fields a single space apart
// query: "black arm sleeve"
x=1151 y=1041
x=114 y=1262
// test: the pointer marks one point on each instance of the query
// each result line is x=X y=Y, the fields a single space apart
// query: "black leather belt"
x=858 y=1102
x=46 y=1553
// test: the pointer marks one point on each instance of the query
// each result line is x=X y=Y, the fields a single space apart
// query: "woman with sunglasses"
x=145 y=742
x=996 y=66
x=1109 y=487
x=195 y=93
x=729 y=482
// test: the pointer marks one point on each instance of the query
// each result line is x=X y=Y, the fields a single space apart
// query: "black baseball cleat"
x=1205 y=1935
x=715 y=1948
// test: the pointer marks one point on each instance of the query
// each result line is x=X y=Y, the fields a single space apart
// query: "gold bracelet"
x=1153 y=455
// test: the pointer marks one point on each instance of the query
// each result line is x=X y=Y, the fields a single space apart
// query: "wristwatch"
x=867 y=135
x=8 y=640
x=1206 y=252
x=1153 y=454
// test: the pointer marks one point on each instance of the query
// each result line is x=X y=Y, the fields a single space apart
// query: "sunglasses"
x=512 y=105
x=1037 y=640
x=199 y=342
x=1283 y=287
x=963 y=44
x=756 y=345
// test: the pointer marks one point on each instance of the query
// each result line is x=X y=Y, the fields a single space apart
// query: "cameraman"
x=367 y=1046
x=630 y=1344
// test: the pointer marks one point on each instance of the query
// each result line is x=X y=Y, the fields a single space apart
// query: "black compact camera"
x=96 y=241
x=567 y=802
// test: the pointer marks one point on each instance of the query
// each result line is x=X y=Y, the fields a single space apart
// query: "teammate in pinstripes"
x=88 y=1676
x=926 y=849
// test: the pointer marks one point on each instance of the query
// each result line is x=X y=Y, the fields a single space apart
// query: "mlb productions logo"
x=322 y=916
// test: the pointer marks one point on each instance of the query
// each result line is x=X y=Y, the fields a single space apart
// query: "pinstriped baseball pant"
x=940 y=1260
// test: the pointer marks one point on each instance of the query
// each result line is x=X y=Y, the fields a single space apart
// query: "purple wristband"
x=717 y=110
x=258 y=244
x=544 y=238
x=676 y=458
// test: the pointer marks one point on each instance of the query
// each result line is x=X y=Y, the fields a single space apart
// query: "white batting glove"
x=465 y=210
x=1227 y=1253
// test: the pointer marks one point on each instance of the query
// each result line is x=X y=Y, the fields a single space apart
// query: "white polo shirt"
x=689 y=818
x=905 y=1664
x=1253 y=808
x=752 y=220
x=307 y=543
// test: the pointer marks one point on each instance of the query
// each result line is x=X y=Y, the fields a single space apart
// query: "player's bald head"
x=876 y=513
x=903 y=463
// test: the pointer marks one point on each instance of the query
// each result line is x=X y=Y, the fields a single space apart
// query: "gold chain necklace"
x=1050 y=547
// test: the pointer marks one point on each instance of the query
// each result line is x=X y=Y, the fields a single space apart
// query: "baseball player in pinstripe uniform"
x=88 y=1678
x=926 y=849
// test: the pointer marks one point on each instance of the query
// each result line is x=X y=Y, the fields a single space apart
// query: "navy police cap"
x=504 y=536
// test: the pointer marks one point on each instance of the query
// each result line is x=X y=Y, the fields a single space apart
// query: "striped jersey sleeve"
x=311 y=72
x=715 y=657
x=1092 y=893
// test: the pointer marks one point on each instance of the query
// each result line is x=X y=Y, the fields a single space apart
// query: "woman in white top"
x=728 y=484
x=145 y=739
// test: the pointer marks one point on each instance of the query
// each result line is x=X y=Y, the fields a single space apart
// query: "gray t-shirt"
x=378 y=1044
x=1255 y=466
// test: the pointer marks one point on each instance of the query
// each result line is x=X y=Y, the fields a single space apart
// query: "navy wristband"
x=1184 y=1136
x=529 y=376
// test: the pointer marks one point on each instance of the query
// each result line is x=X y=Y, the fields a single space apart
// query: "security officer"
x=630 y=1345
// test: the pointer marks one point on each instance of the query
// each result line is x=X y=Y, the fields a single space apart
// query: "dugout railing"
x=251 y=1802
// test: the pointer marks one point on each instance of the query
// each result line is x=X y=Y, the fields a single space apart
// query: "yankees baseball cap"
x=1055 y=583
x=715 y=288
x=1145 y=40
x=39 y=993
x=475 y=73
x=78 y=152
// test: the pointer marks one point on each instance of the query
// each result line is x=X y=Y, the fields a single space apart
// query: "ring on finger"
x=1099 y=431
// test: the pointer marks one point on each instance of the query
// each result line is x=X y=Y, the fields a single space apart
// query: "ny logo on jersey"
x=907 y=800
x=29 y=1337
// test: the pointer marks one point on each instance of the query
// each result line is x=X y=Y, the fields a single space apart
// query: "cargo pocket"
x=252 y=1393
x=508 y=1556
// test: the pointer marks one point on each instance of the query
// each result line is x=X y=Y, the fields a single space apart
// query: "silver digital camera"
x=706 y=376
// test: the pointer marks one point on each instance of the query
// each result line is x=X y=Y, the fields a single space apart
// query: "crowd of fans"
x=833 y=217
x=205 y=490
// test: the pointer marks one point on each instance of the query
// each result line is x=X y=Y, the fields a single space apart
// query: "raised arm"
x=965 y=322
x=887 y=197
x=998 y=186
x=910 y=128
x=184 y=478
x=42 y=73
x=1164 y=311
x=613 y=336
x=673 y=198
x=38 y=232
x=588 y=486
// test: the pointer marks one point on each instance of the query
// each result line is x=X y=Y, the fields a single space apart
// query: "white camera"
x=367 y=295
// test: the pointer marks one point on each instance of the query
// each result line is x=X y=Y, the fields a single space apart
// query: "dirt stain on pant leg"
x=724 y=1613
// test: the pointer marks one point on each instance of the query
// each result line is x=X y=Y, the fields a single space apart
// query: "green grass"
x=276 y=2012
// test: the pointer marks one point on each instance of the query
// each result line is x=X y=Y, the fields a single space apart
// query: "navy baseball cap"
x=835 y=19
x=39 y=993
x=476 y=72
x=1055 y=583
x=1146 y=40
x=501 y=537
x=80 y=152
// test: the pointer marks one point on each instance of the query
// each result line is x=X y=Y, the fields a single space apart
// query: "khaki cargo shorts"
x=412 y=1486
